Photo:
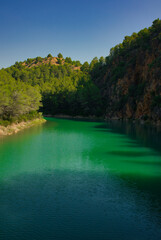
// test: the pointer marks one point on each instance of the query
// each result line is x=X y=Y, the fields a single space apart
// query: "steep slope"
x=131 y=81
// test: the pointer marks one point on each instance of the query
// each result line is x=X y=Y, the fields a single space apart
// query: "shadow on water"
x=131 y=153
x=152 y=163
x=68 y=205
x=145 y=135
x=136 y=161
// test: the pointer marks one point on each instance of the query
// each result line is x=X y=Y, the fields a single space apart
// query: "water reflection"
x=146 y=135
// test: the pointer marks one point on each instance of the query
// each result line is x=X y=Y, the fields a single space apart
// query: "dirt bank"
x=16 y=127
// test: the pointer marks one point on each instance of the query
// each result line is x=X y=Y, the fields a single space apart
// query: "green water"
x=81 y=180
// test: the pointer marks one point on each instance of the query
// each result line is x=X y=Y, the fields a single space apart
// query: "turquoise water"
x=81 y=180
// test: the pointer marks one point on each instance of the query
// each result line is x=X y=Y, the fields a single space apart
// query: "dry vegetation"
x=16 y=127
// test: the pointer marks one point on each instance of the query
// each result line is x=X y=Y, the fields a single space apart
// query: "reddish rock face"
x=136 y=94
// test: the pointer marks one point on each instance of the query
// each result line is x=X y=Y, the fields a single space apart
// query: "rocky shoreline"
x=16 y=127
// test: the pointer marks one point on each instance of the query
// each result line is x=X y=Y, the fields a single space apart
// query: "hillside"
x=66 y=86
x=130 y=82
x=124 y=85
x=50 y=60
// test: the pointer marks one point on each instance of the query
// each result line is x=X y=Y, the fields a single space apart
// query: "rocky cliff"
x=131 y=85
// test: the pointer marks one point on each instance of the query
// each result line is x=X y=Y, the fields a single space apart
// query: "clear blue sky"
x=80 y=29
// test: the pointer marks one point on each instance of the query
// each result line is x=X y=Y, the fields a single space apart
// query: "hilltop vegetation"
x=124 y=85
x=61 y=87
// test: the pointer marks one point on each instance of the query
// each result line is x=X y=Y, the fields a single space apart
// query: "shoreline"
x=63 y=116
x=16 y=127
x=104 y=119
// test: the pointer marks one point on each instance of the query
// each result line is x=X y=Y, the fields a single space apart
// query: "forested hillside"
x=66 y=86
x=124 y=85
x=130 y=81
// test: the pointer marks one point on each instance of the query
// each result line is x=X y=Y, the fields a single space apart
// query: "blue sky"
x=80 y=29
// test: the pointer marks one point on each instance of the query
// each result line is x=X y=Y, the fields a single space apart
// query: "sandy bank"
x=16 y=127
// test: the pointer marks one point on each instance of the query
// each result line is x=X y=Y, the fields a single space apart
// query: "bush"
x=4 y=123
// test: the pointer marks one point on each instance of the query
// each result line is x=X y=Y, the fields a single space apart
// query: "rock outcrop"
x=131 y=86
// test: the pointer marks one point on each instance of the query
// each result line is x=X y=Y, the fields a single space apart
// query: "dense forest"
x=65 y=85
x=124 y=85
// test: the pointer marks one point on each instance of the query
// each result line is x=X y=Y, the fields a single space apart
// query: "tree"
x=38 y=59
x=17 y=98
x=29 y=61
x=68 y=60
x=77 y=63
x=60 y=55
x=49 y=56
x=93 y=62
x=85 y=67
x=59 y=61
x=102 y=61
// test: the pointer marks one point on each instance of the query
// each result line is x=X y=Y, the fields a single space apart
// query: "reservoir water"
x=77 y=180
